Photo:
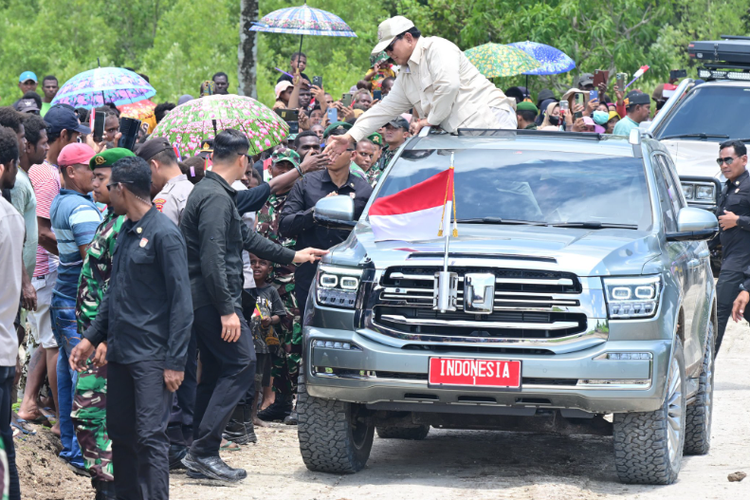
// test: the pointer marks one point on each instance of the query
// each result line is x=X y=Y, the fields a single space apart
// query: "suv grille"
x=527 y=305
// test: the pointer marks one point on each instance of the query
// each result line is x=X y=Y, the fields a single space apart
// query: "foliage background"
x=180 y=43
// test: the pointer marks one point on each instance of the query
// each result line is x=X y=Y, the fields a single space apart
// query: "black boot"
x=240 y=426
x=176 y=453
x=105 y=490
x=279 y=409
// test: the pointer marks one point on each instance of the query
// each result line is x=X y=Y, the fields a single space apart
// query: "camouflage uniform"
x=285 y=366
x=90 y=400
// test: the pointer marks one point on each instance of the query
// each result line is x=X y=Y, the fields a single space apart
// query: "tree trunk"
x=248 y=51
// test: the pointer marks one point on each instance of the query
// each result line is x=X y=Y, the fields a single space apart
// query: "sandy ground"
x=465 y=464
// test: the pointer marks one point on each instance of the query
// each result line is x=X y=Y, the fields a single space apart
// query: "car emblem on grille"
x=479 y=293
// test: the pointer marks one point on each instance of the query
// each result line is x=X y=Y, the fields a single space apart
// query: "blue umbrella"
x=302 y=21
x=553 y=60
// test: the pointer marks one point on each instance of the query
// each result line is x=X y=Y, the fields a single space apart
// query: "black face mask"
x=554 y=120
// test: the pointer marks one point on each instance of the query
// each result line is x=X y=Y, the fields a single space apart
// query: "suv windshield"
x=709 y=113
x=537 y=186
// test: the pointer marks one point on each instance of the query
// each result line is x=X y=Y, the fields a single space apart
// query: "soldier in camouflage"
x=90 y=400
x=285 y=365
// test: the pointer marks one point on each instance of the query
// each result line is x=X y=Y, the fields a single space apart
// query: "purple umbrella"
x=95 y=87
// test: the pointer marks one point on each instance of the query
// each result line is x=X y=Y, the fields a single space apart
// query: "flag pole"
x=446 y=289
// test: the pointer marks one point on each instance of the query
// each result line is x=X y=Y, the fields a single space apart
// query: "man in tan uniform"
x=170 y=188
x=437 y=81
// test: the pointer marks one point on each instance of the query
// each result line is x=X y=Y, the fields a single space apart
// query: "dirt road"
x=497 y=465
x=472 y=465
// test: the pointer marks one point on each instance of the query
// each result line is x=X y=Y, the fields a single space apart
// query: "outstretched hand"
x=309 y=255
x=338 y=145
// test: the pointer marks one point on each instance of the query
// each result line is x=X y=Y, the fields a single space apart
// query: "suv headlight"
x=688 y=190
x=704 y=193
x=632 y=297
x=337 y=286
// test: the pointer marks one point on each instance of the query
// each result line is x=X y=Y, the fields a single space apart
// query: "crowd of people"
x=178 y=287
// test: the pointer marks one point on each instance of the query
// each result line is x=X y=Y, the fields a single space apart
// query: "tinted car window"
x=540 y=186
x=720 y=111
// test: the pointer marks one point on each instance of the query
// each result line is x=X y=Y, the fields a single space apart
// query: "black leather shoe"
x=176 y=453
x=278 y=410
x=240 y=426
x=105 y=490
x=195 y=475
x=213 y=468
x=292 y=418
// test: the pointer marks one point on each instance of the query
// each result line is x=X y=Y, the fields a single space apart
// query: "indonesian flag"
x=421 y=212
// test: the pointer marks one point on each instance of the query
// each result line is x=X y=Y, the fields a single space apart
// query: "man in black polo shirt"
x=734 y=219
x=215 y=236
x=297 y=215
x=145 y=318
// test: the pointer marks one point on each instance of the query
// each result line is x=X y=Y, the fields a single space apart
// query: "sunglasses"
x=393 y=43
x=728 y=160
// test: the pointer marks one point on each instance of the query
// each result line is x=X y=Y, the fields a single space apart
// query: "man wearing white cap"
x=437 y=81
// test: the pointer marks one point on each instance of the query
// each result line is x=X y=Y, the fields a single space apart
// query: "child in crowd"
x=269 y=309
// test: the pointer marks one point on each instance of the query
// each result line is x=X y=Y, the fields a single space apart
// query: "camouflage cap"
x=289 y=155
x=108 y=157
x=376 y=139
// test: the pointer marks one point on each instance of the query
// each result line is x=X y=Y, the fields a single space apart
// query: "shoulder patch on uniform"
x=159 y=204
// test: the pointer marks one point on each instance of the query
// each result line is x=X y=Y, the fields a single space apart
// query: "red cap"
x=74 y=154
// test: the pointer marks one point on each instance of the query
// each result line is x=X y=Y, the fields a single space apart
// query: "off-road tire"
x=641 y=440
x=333 y=436
x=416 y=433
x=699 y=414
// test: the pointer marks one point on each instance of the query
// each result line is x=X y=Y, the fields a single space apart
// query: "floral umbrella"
x=95 y=87
x=494 y=59
x=189 y=124
x=302 y=21
x=141 y=110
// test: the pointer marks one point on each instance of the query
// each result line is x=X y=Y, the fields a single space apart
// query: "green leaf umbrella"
x=187 y=126
x=495 y=59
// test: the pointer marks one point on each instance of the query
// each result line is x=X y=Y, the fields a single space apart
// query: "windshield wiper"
x=697 y=136
x=596 y=225
x=498 y=220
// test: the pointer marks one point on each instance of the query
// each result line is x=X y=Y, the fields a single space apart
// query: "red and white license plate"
x=475 y=372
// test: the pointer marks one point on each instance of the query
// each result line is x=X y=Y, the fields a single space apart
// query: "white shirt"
x=442 y=85
x=11 y=259
x=249 y=220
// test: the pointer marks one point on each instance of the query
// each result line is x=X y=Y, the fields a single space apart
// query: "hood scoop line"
x=495 y=256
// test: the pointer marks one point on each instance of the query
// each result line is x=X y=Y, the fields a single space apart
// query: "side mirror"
x=694 y=224
x=335 y=212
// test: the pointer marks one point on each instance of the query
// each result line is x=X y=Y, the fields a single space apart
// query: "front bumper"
x=387 y=376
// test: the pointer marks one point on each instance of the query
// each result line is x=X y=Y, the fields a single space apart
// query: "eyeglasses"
x=393 y=43
x=113 y=184
x=728 y=160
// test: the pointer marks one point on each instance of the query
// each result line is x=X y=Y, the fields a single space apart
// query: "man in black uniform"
x=297 y=215
x=145 y=317
x=734 y=219
x=215 y=236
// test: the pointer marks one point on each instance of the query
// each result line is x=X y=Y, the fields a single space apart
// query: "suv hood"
x=695 y=158
x=585 y=252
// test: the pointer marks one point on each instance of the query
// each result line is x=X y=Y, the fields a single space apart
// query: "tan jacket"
x=442 y=85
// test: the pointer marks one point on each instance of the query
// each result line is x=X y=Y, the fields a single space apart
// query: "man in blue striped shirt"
x=74 y=219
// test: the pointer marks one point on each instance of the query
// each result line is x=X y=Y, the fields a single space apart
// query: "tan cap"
x=390 y=29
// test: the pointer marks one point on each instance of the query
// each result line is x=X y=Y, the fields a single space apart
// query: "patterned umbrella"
x=302 y=21
x=494 y=59
x=141 y=110
x=553 y=61
x=188 y=125
x=95 y=87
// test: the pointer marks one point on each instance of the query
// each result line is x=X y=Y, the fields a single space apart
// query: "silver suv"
x=584 y=303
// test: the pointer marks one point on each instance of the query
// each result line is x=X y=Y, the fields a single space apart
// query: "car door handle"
x=704 y=254
x=694 y=263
